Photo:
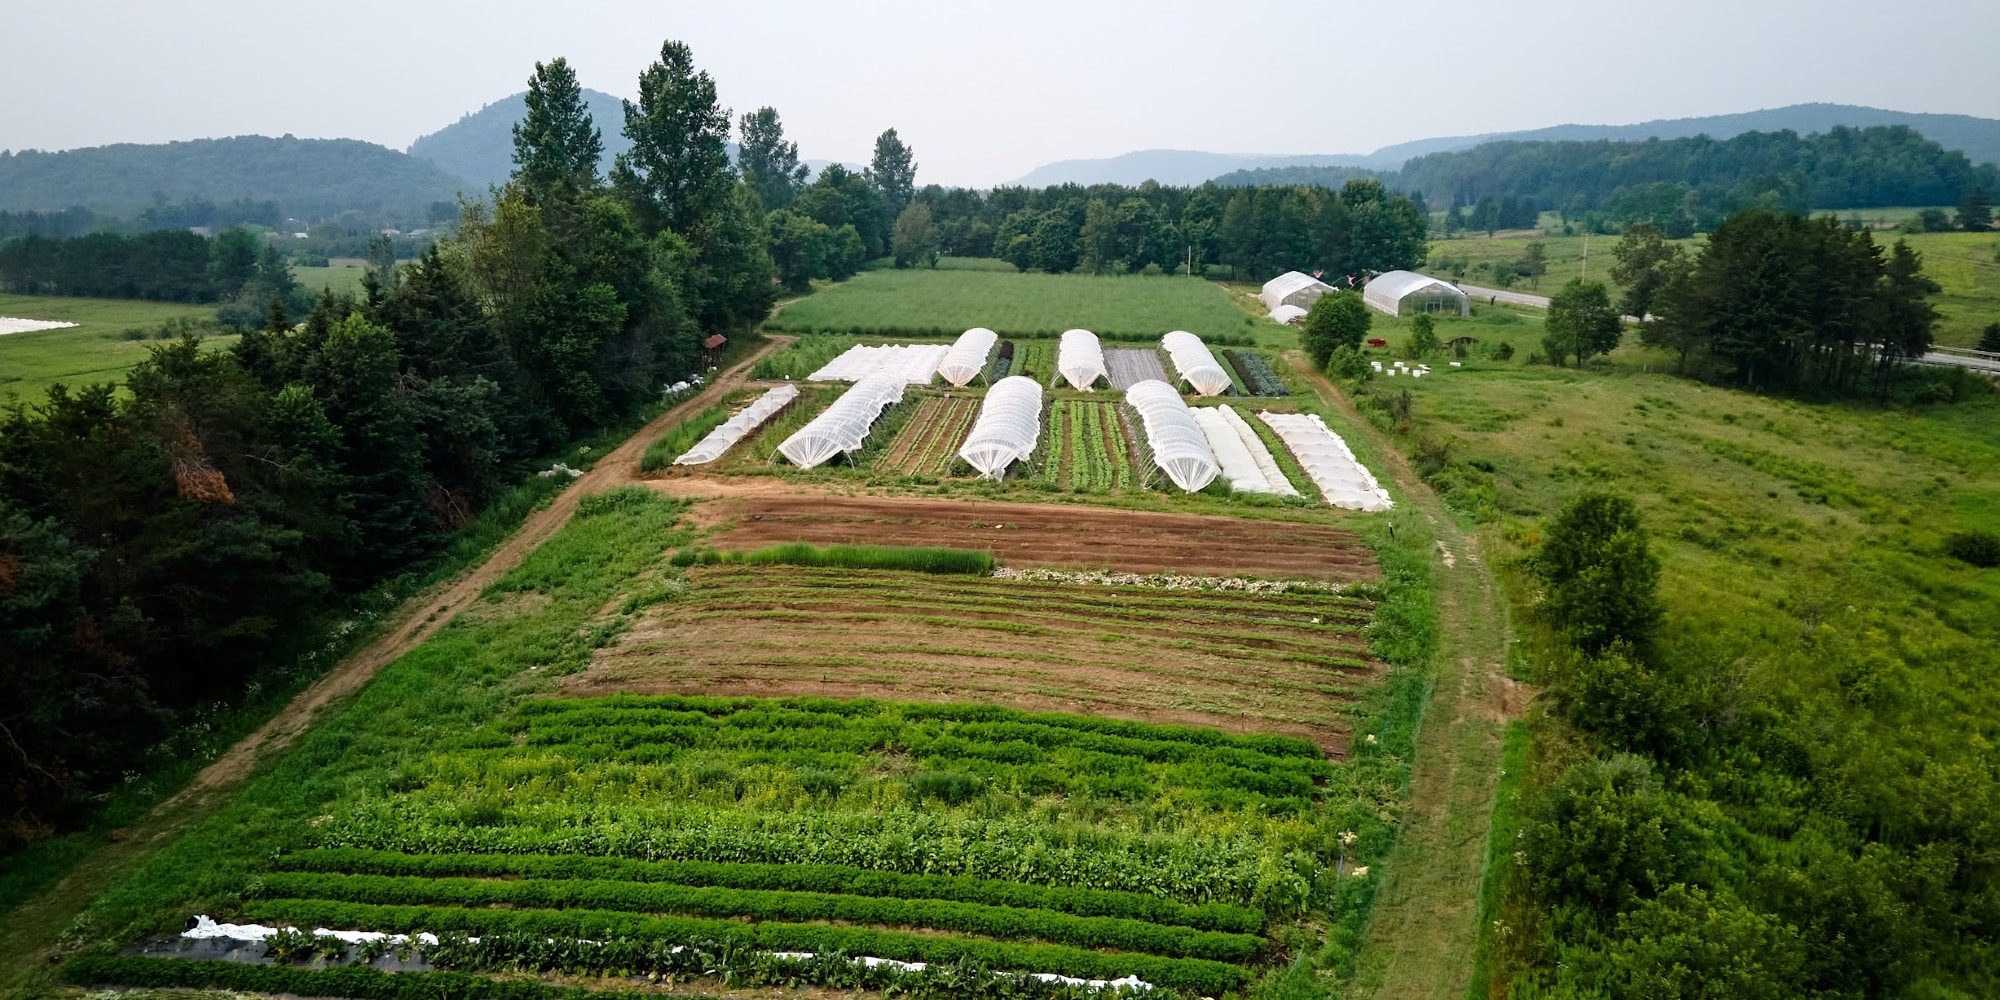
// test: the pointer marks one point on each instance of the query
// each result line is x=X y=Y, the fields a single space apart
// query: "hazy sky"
x=986 y=92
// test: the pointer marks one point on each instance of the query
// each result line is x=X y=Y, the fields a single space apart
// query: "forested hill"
x=306 y=178
x=480 y=146
x=1841 y=168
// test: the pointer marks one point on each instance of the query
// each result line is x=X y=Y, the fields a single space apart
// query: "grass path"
x=1424 y=931
x=29 y=945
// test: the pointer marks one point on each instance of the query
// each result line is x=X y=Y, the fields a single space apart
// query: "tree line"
x=175 y=545
x=171 y=265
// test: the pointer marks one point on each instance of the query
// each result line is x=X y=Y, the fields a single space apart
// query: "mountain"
x=1977 y=138
x=307 y=178
x=480 y=146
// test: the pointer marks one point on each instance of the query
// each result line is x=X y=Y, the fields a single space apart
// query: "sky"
x=984 y=93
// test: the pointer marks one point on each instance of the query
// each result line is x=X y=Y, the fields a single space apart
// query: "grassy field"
x=945 y=303
x=477 y=788
x=1967 y=267
x=343 y=280
x=110 y=336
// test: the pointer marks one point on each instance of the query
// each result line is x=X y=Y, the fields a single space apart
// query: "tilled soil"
x=1048 y=535
x=1288 y=663
x=1129 y=366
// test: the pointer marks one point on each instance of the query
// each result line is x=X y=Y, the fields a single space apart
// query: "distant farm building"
x=1292 y=289
x=1401 y=293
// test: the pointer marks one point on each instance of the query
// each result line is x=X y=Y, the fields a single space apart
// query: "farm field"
x=342 y=280
x=929 y=442
x=919 y=303
x=1131 y=365
x=1244 y=662
x=1966 y=267
x=110 y=336
x=1085 y=448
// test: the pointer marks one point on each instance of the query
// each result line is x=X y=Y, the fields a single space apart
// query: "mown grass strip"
x=1205 y=976
x=802 y=878
x=996 y=922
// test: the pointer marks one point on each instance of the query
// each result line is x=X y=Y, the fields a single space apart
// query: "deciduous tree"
x=1581 y=323
x=1335 y=321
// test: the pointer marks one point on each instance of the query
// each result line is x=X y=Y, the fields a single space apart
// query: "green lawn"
x=948 y=302
x=110 y=337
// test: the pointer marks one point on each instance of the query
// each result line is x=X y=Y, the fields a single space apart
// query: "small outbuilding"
x=1293 y=289
x=1402 y=293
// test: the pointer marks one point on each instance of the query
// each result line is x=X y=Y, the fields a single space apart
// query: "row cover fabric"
x=1009 y=425
x=1195 y=363
x=1327 y=459
x=738 y=427
x=1245 y=462
x=967 y=357
x=841 y=427
x=1288 y=315
x=1080 y=359
x=1179 y=447
x=916 y=363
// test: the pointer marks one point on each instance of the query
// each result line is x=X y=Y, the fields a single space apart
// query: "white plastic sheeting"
x=1080 y=359
x=1195 y=363
x=1288 y=314
x=1245 y=462
x=15 y=324
x=738 y=427
x=967 y=357
x=1179 y=447
x=1399 y=293
x=841 y=427
x=1327 y=459
x=1293 y=289
x=1009 y=424
x=916 y=363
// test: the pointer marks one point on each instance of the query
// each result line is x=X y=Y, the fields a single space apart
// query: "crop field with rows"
x=920 y=303
x=928 y=444
x=1084 y=448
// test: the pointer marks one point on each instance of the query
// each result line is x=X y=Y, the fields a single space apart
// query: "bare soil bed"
x=1288 y=663
x=1052 y=535
x=1129 y=366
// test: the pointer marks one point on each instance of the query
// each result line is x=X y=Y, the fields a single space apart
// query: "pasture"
x=341 y=280
x=945 y=303
x=110 y=336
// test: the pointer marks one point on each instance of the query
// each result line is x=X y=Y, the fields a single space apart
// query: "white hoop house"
x=1245 y=462
x=1079 y=359
x=1195 y=363
x=1327 y=459
x=1400 y=293
x=916 y=363
x=967 y=357
x=1009 y=424
x=738 y=427
x=842 y=427
x=1179 y=448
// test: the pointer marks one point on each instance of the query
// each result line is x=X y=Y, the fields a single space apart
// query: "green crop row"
x=1001 y=922
x=1203 y=976
x=799 y=878
x=1349 y=610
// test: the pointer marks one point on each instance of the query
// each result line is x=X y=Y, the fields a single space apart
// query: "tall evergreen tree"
x=770 y=164
x=556 y=146
x=677 y=173
x=893 y=171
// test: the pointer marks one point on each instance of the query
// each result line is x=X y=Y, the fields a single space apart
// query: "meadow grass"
x=1966 y=267
x=110 y=337
x=341 y=280
x=945 y=303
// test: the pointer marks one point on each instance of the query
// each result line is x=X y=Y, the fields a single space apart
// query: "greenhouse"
x=1079 y=359
x=1009 y=424
x=842 y=427
x=915 y=362
x=967 y=357
x=738 y=427
x=1401 y=293
x=1178 y=446
x=1328 y=461
x=1195 y=363
x=1293 y=289
x=1245 y=462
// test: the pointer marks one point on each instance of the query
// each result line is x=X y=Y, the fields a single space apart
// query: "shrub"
x=1978 y=548
x=1599 y=578
x=1505 y=352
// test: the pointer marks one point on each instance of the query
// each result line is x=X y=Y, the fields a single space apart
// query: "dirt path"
x=27 y=933
x=1424 y=931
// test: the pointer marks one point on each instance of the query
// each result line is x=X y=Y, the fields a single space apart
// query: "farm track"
x=1423 y=935
x=27 y=934
x=779 y=631
x=755 y=514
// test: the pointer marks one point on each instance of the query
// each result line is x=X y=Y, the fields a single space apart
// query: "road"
x=1501 y=295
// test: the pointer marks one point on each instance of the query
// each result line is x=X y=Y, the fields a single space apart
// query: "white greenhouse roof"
x=1195 y=363
x=915 y=362
x=1009 y=424
x=1245 y=462
x=1327 y=459
x=1179 y=447
x=738 y=427
x=1079 y=359
x=967 y=357
x=1386 y=291
x=1282 y=287
x=1288 y=314
x=841 y=427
